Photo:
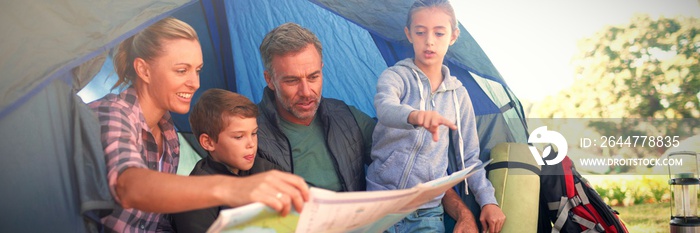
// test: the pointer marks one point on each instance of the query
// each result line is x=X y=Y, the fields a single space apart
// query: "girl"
x=160 y=66
x=419 y=92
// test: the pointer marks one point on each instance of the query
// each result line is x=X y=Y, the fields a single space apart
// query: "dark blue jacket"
x=343 y=137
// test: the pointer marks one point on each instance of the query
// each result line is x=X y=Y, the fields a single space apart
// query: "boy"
x=226 y=127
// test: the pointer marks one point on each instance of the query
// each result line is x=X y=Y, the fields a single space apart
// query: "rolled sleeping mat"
x=514 y=174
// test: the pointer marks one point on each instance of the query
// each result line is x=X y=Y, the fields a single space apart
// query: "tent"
x=53 y=175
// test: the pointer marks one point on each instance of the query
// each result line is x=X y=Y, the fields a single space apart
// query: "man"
x=323 y=140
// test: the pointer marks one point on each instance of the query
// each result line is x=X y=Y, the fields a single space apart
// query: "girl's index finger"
x=450 y=125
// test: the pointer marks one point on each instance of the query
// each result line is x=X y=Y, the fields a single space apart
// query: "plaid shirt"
x=128 y=142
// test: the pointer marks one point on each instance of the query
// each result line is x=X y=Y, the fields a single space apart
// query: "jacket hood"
x=450 y=82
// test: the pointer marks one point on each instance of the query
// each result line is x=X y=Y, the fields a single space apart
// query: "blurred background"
x=602 y=59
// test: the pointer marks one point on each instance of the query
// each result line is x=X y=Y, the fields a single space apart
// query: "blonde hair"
x=146 y=44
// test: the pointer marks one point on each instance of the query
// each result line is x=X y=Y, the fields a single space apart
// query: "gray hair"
x=284 y=39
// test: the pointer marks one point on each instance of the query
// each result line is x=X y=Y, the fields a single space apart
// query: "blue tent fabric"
x=53 y=179
x=214 y=10
x=358 y=45
x=214 y=66
x=351 y=67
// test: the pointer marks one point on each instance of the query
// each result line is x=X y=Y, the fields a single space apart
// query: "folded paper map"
x=328 y=211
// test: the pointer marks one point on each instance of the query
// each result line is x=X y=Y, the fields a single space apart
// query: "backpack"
x=571 y=204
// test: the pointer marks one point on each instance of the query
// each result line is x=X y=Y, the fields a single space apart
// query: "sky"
x=531 y=43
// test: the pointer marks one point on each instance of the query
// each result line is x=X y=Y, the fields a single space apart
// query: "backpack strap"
x=592 y=227
x=559 y=205
x=563 y=207
x=562 y=214
x=553 y=205
x=513 y=164
x=582 y=193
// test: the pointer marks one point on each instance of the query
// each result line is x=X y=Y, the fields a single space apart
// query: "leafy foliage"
x=633 y=189
x=647 y=68
x=644 y=202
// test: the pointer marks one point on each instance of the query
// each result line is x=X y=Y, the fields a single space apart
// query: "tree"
x=647 y=69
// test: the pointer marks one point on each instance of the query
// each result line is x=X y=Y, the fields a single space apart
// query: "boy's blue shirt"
x=404 y=155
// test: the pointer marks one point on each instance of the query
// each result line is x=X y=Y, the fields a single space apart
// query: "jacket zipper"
x=289 y=148
x=419 y=145
x=343 y=185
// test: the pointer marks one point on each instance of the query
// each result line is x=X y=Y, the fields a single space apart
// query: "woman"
x=160 y=66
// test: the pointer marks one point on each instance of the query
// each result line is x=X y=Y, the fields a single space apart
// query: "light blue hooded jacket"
x=404 y=155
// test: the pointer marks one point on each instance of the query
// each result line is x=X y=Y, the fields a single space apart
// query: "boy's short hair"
x=211 y=114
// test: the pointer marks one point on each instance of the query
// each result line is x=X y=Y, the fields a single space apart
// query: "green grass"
x=653 y=217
